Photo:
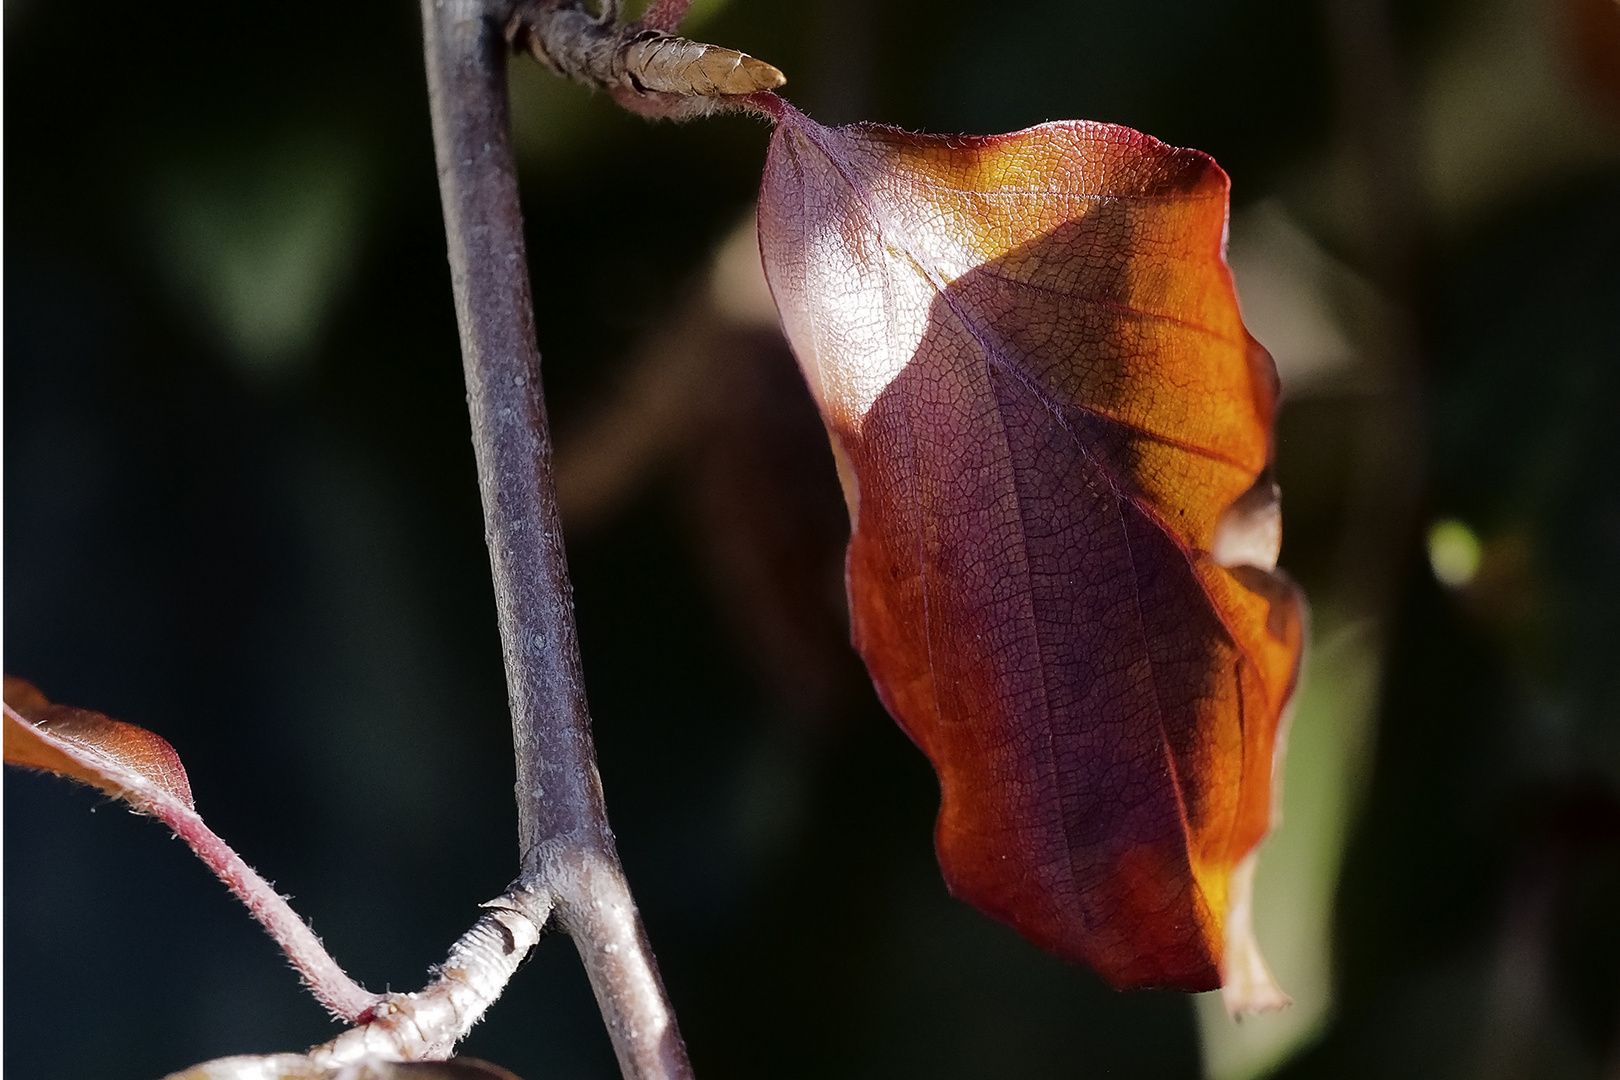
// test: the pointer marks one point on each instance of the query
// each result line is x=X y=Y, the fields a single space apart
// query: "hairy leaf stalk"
x=568 y=855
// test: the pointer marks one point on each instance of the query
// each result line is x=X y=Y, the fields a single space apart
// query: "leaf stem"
x=76 y=743
x=567 y=851
x=665 y=15
x=325 y=978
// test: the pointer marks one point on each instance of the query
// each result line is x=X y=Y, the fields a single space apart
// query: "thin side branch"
x=645 y=68
x=567 y=851
x=426 y=1025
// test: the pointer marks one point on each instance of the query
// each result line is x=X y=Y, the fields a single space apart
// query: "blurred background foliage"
x=240 y=510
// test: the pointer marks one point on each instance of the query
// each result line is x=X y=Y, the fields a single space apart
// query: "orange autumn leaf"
x=1054 y=435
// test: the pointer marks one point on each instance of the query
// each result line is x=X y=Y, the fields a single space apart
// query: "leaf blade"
x=123 y=760
x=1028 y=353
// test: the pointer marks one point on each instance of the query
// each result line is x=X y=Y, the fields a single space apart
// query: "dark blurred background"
x=240 y=510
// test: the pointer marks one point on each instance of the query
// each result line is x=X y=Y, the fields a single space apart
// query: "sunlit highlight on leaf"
x=1054 y=435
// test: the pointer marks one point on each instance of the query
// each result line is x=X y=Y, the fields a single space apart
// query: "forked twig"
x=426 y=1025
x=568 y=855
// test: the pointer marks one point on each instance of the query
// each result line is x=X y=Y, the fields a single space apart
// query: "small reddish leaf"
x=121 y=759
x=142 y=769
x=1054 y=435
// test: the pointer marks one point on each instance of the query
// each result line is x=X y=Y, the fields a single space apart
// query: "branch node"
x=558 y=789
x=643 y=67
x=426 y=1025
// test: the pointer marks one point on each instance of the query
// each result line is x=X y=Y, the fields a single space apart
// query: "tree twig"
x=426 y=1025
x=645 y=68
x=567 y=850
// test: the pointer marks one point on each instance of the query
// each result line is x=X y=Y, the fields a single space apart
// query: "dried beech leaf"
x=1054 y=435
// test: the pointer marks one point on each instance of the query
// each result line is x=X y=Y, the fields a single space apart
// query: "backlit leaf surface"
x=121 y=759
x=1054 y=436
